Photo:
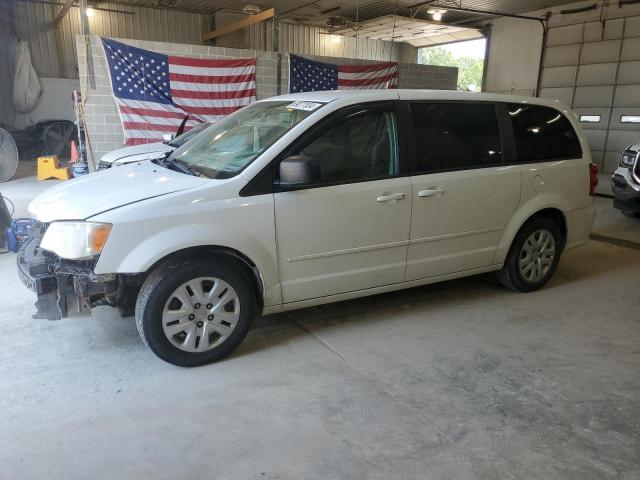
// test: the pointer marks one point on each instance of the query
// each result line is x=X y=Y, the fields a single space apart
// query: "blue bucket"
x=80 y=169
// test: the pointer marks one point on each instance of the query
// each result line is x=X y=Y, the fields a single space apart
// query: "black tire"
x=127 y=311
x=163 y=281
x=631 y=213
x=510 y=276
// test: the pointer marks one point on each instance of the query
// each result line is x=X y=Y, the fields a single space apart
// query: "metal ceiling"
x=318 y=12
x=413 y=31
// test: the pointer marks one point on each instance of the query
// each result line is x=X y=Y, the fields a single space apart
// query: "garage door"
x=595 y=68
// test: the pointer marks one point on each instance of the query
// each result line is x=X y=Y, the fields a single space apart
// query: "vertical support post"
x=86 y=33
x=485 y=65
x=276 y=48
x=279 y=75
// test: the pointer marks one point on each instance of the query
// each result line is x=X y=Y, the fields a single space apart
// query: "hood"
x=635 y=148
x=137 y=152
x=98 y=192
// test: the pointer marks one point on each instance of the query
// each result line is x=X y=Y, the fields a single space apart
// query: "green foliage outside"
x=469 y=68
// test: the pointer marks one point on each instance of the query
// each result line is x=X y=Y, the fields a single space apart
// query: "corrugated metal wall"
x=34 y=23
x=7 y=114
x=310 y=40
x=53 y=53
x=307 y=40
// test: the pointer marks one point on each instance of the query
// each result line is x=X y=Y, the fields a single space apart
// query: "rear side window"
x=454 y=136
x=542 y=133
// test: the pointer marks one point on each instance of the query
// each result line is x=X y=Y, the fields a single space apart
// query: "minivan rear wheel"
x=533 y=256
x=192 y=312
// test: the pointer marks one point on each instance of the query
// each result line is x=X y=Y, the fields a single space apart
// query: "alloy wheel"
x=537 y=255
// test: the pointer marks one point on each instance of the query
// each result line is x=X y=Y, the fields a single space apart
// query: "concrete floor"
x=461 y=380
x=23 y=187
x=610 y=222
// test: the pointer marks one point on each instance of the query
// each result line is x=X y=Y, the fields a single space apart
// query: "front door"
x=348 y=230
x=463 y=193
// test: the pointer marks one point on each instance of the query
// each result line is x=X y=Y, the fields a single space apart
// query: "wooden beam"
x=63 y=11
x=245 y=22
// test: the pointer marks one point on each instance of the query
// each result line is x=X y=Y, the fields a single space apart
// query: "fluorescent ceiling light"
x=251 y=9
x=436 y=13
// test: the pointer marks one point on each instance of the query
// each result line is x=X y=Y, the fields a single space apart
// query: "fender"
x=524 y=213
x=146 y=232
x=166 y=242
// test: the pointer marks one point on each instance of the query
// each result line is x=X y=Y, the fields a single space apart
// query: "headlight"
x=628 y=158
x=76 y=240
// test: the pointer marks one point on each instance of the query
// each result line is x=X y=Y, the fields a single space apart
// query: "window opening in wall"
x=468 y=56
x=629 y=118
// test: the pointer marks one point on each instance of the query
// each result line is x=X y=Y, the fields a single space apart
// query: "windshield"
x=182 y=139
x=229 y=145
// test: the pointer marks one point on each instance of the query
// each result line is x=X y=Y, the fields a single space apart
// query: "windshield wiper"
x=179 y=166
x=205 y=171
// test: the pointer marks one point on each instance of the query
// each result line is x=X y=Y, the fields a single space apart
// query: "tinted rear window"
x=542 y=133
x=457 y=135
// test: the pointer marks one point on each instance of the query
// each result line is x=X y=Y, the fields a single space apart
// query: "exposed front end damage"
x=67 y=288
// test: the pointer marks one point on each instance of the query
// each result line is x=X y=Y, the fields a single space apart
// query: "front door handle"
x=390 y=197
x=431 y=192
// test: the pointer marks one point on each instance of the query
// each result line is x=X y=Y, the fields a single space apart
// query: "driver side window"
x=359 y=146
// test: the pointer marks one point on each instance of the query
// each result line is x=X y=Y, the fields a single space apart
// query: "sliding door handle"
x=431 y=192
x=389 y=197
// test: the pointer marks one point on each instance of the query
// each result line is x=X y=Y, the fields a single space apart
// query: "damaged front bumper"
x=64 y=287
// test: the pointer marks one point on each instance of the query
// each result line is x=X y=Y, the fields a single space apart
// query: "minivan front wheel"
x=533 y=257
x=195 y=312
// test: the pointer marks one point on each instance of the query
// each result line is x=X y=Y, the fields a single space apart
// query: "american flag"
x=310 y=75
x=155 y=92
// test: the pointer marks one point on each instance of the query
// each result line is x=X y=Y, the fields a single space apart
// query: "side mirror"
x=298 y=170
x=167 y=137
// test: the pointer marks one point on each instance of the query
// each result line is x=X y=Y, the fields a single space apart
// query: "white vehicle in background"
x=313 y=198
x=149 y=151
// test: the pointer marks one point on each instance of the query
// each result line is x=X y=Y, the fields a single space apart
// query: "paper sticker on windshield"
x=306 y=106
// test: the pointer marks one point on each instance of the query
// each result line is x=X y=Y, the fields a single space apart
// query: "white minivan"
x=311 y=198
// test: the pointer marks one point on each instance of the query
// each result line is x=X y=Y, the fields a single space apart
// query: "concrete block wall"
x=101 y=113
x=413 y=75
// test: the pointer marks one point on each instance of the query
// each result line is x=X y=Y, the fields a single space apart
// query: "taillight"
x=593 y=179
